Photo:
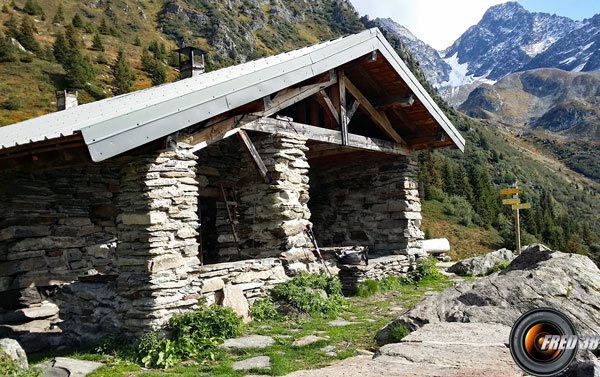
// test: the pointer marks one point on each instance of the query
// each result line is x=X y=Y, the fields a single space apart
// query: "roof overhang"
x=119 y=124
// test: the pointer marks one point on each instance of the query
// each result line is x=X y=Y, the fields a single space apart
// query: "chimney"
x=189 y=66
x=65 y=100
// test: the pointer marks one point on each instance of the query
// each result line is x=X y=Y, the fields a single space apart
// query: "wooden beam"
x=352 y=110
x=288 y=97
x=270 y=125
x=343 y=119
x=218 y=131
x=330 y=110
x=378 y=117
x=251 y=149
x=405 y=120
x=393 y=101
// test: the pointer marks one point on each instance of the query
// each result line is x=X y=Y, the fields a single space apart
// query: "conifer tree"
x=448 y=179
x=12 y=27
x=6 y=50
x=5 y=9
x=77 y=21
x=26 y=38
x=103 y=29
x=122 y=76
x=587 y=235
x=59 y=17
x=138 y=41
x=79 y=70
x=159 y=74
x=148 y=62
x=32 y=8
x=97 y=43
x=14 y=5
x=60 y=49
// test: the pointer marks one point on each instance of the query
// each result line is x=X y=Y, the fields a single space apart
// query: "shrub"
x=425 y=269
x=397 y=333
x=304 y=292
x=12 y=103
x=193 y=334
x=461 y=208
x=368 y=288
x=263 y=309
x=498 y=266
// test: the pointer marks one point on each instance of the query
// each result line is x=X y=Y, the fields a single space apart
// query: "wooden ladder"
x=231 y=208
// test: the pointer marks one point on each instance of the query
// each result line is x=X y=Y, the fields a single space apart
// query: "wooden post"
x=343 y=118
x=518 y=231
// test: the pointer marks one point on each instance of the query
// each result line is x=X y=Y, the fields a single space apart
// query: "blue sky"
x=440 y=22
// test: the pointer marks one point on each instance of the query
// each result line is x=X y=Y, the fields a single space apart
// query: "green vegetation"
x=498 y=266
x=424 y=272
x=397 y=333
x=316 y=294
x=97 y=44
x=10 y=368
x=122 y=76
x=368 y=315
x=263 y=309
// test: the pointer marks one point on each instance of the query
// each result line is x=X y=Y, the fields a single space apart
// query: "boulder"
x=306 y=340
x=480 y=265
x=14 y=351
x=538 y=277
x=233 y=297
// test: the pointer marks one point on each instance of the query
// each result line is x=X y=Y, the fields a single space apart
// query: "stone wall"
x=158 y=249
x=372 y=203
x=56 y=227
x=273 y=216
x=379 y=267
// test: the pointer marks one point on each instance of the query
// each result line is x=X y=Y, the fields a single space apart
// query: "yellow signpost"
x=516 y=204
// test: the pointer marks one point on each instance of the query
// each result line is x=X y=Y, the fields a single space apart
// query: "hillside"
x=232 y=31
x=546 y=98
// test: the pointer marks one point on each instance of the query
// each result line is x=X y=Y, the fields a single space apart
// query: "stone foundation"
x=352 y=275
x=371 y=203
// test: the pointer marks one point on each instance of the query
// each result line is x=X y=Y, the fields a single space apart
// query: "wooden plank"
x=521 y=206
x=270 y=125
x=251 y=149
x=217 y=132
x=393 y=101
x=507 y=191
x=290 y=97
x=511 y=201
x=328 y=106
x=405 y=120
x=343 y=119
x=378 y=117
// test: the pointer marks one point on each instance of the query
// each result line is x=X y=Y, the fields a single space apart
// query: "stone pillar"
x=273 y=216
x=157 y=225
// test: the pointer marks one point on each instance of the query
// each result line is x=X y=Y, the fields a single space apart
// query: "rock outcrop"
x=13 y=351
x=538 y=277
x=481 y=265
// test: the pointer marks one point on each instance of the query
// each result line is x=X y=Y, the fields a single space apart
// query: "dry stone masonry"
x=369 y=203
x=114 y=248
x=275 y=215
x=158 y=250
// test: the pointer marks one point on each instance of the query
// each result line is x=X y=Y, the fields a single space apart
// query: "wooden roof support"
x=378 y=117
x=393 y=101
x=251 y=149
x=327 y=104
x=325 y=135
x=343 y=118
x=288 y=97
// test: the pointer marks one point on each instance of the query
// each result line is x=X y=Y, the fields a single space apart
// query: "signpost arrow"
x=511 y=201
x=521 y=206
x=512 y=190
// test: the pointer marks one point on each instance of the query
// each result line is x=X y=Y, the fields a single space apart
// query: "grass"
x=370 y=314
x=465 y=241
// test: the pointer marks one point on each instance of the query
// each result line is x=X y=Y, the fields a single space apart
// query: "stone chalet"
x=118 y=213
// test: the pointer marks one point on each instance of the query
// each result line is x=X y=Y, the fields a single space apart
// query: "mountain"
x=578 y=51
x=548 y=98
x=435 y=68
x=507 y=38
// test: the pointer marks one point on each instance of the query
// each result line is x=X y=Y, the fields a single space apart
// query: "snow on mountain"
x=435 y=68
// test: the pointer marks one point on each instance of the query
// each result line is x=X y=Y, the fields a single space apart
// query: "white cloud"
x=437 y=22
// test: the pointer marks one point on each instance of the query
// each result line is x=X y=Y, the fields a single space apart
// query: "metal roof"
x=118 y=124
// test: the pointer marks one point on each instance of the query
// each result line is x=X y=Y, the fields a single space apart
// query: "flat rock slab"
x=66 y=367
x=485 y=334
x=252 y=341
x=258 y=362
x=341 y=322
x=306 y=340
